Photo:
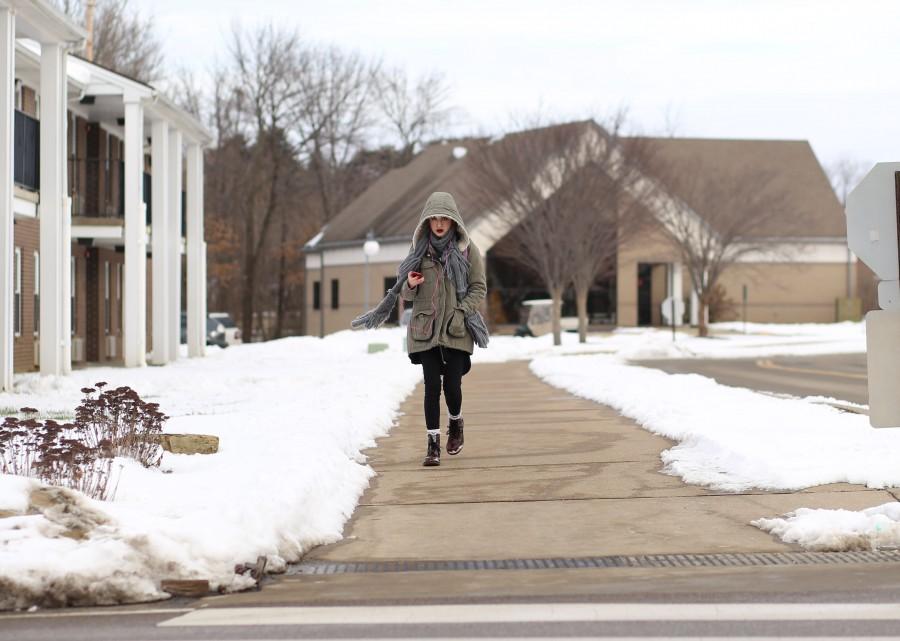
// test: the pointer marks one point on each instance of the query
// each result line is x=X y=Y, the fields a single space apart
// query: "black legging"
x=452 y=364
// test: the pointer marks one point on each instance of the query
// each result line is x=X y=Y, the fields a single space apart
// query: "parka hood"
x=440 y=203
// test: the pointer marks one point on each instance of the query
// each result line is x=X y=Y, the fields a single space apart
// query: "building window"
x=317 y=295
x=17 y=292
x=106 y=309
x=119 y=295
x=107 y=182
x=37 y=293
x=334 y=293
x=72 y=298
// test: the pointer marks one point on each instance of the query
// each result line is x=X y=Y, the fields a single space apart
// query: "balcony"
x=97 y=187
x=26 y=151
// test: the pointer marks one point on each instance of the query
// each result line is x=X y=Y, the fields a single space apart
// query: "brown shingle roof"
x=795 y=170
x=391 y=206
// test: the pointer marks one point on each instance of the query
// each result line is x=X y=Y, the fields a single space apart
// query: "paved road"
x=840 y=376
x=543 y=475
x=617 y=620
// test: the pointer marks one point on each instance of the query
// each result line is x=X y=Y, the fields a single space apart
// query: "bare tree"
x=336 y=116
x=610 y=196
x=416 y=111
x=717 y=215
x=293 y=117
x=253 y=107
x=123 y=39
x=845 y=174
x=519 y=182
x=292 y=121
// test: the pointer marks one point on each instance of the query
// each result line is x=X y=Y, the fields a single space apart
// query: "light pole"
x=370 y=248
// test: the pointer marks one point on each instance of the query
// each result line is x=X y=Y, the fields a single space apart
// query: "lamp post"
x=370 y=248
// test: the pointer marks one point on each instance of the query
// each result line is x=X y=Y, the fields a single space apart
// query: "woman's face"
x=440 y=225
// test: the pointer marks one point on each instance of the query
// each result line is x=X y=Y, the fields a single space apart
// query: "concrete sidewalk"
x=543 y=474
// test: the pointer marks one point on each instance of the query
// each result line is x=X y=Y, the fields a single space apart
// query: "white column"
x=53 y=207
x=65 y=289
x=7 y=91
x=676 y=287
x=196 y=285
x=695 y=308
x=203 y=309
x=159 y=220
x=175 y=214
x=134 y=343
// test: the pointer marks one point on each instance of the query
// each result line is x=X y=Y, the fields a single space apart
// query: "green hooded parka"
x=438 y=317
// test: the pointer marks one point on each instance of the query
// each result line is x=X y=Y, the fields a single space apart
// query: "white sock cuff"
x=434 y=432
x=455 y=418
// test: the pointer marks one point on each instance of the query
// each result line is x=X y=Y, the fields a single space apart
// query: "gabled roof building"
x=801 y=285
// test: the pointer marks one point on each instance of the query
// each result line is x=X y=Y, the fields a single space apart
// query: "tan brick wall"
x=650 y=247
x=351 y=294
x=777 y=292
x=787 y=292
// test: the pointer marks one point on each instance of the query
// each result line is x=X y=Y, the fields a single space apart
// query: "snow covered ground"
x=293 y=416
x=838 y=530
x=727 y=341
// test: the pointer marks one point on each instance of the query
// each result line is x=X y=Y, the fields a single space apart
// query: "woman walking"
x=443 y=276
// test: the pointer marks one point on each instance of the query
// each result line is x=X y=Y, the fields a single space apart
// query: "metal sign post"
x=744 y=311
x=672 y=289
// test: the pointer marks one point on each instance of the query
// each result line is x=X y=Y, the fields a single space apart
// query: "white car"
x=229 y=327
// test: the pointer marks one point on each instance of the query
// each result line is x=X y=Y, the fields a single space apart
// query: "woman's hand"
x=414 y=279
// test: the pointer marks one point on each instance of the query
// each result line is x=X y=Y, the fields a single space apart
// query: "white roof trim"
x=185 y=122
x=103 y=82
x=42 y=21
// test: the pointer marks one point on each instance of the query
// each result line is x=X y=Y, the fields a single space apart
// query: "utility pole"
x=89 y=25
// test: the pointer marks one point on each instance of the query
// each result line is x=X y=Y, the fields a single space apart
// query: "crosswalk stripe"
x=532 y=613
x=105 y=612
x=583 y=638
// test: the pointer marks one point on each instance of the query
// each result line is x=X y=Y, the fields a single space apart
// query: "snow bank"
x=838 y=530
x=727 y=341
x=292 y=417
x=730 y=438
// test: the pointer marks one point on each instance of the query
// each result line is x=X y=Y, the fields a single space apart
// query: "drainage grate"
x=639 y=561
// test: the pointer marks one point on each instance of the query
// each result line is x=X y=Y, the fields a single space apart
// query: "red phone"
x=415 y=274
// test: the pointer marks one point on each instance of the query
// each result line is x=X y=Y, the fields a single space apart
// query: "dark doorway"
x=653 y=287
x=645 y=294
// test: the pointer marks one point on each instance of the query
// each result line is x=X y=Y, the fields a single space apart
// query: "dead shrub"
x=79 y=455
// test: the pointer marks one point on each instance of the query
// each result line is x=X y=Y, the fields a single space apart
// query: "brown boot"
x=433 y=456
x=455 y=436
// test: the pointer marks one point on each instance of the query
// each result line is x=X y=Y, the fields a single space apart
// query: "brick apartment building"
x=101 y=207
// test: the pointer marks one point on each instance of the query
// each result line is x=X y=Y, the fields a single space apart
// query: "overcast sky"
x=824 y=71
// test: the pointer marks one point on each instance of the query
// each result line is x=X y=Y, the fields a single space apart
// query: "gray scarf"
x=457 y=270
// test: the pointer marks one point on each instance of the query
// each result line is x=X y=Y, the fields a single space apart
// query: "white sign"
x=666 y=309
x=872 y=229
